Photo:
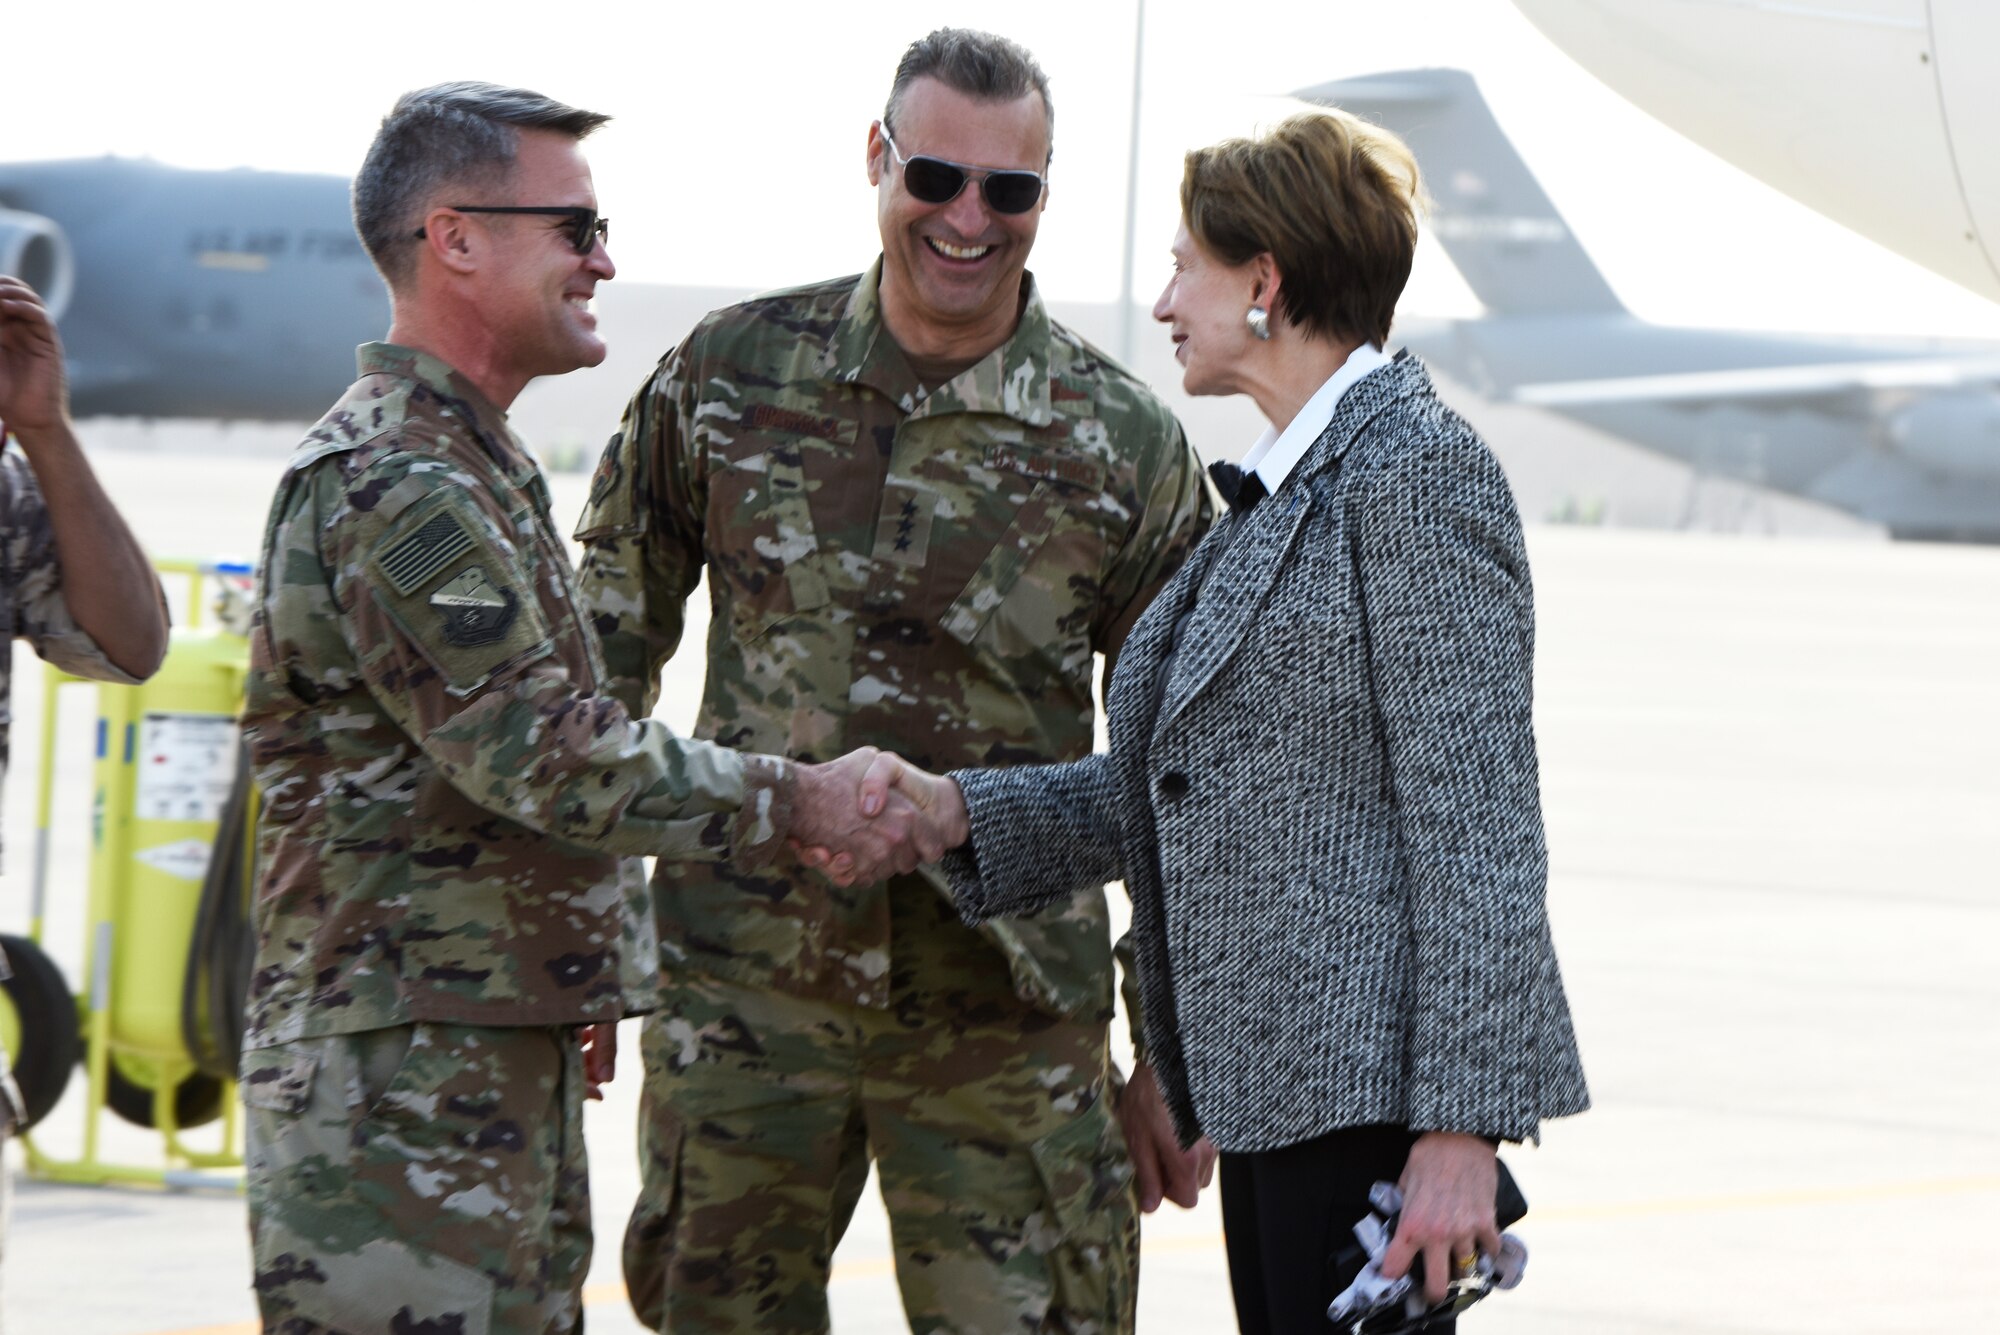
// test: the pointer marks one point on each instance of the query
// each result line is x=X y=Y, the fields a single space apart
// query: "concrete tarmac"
x=1770 y=782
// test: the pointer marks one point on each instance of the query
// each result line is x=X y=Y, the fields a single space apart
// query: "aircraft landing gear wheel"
x=38 y=1026
x=129 y=1093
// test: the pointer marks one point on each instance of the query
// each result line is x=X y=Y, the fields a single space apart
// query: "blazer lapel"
x=1245 y=571
x=1242 y=575
x=1135 y=688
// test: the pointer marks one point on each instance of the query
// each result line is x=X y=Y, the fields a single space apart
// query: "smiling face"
x=951 y=272
x=1205 y=305
x=537 y=292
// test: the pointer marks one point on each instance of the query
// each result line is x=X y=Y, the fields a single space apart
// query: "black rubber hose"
x=216 y=985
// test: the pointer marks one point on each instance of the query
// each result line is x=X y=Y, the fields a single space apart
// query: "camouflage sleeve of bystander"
x=642 y=532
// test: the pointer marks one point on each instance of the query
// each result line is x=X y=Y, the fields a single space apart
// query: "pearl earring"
x=1259 y=321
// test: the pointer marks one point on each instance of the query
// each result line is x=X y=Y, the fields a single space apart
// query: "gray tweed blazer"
x=1327 y=814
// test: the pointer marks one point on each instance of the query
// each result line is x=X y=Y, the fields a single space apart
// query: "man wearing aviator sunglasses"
x=923 y=509
x=937 y=181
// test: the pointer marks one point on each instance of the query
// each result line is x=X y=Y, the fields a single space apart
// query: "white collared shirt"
x=1276 y=453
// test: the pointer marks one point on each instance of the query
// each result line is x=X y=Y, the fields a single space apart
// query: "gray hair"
x=981 y=65
x=462 y=135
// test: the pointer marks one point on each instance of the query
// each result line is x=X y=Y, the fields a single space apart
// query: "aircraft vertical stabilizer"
x=1491 y=215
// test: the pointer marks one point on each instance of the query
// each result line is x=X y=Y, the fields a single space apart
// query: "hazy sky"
x=737 y=153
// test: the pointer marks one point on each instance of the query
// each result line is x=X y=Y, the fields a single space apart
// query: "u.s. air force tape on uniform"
x=459 y=592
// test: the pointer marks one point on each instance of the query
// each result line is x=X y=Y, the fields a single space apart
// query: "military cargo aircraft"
x=236 y=295
x=1902 y=432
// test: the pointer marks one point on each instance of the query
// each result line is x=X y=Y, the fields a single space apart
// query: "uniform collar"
x=457 y=394
x=1012 y=380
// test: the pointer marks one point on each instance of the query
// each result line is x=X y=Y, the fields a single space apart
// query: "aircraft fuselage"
x=1843 y=450
x=213 y=294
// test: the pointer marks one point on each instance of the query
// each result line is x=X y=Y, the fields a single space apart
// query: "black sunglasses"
x=586 y=229
x=938 y=181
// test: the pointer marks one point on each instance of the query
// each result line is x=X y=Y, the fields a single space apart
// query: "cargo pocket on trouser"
x=649 y=1236
x=326 y=1245
x=284 y=1148
x=1094 y=1261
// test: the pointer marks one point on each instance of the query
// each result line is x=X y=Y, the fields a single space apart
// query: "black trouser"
x=1285 y=1212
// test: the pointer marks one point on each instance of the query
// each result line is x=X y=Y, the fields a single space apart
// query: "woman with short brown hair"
x=1321 y=789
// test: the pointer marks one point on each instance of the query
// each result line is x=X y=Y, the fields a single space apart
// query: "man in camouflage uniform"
x=922 y=507
x=452 y=808
x=73 y=581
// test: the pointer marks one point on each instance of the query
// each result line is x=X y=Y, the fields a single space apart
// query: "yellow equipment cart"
x=166 y=758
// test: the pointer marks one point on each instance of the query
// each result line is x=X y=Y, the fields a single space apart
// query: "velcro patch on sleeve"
x=461 y=595
x=473 y=609
x=414 y=561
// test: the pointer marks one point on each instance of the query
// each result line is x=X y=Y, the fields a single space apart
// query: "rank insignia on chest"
x=474 y=609
x=903 y=529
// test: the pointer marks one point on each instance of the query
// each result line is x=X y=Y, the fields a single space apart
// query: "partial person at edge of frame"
x=923 y=508
x=1321 y=789
x=450 y=912
x=74 y=582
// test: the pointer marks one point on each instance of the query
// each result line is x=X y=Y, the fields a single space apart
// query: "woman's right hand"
x=1448 y=1187
x=945 y=824
x=940 y=821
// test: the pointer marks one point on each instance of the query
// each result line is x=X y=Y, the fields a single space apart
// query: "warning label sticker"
x=185 y=858
x=186 y=763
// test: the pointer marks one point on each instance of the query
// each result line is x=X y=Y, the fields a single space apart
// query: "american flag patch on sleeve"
x=413 y=561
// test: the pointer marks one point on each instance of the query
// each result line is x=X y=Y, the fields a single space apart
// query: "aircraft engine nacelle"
x=34 y=249
x=1953 y=435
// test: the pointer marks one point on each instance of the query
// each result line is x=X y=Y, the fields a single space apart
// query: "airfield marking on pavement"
x=875 y=1267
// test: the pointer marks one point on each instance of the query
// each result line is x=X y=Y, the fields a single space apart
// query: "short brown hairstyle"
x=1334 y=201
x=982 y=65
x=463 y=135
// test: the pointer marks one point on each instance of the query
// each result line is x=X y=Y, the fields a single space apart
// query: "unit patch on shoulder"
x=610 y=473
x=451 y=589
x=474 y=609
x=417 y=558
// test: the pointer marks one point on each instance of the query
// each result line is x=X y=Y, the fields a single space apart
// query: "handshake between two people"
x=871 y=814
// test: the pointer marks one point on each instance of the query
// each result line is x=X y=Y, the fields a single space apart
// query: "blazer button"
x=1174 y=784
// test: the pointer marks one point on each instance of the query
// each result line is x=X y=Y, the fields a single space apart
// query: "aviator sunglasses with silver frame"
x=932 y=180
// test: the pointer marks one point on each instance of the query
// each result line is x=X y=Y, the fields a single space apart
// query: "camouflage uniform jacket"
x=32 y=609
x=926 y=572
x=452 y=807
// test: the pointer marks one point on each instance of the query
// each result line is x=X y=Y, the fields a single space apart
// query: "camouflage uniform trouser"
x=421 y=1178
x=1005 y=1175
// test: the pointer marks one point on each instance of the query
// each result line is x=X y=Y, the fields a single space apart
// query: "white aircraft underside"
x=1881 y=114
x=1901 y=431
